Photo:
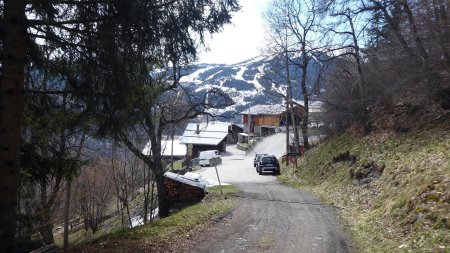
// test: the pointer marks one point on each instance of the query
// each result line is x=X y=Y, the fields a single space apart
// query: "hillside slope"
x=392 y=190
x=259 y=80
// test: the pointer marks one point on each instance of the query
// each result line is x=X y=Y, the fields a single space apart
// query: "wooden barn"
x=182 y=191
x=265 y=118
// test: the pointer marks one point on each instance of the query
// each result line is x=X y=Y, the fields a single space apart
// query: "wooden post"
x=217 y=173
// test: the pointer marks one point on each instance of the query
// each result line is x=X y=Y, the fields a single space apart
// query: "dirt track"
x=271 y=217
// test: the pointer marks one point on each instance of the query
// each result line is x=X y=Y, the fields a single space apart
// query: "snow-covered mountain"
x=259 y=80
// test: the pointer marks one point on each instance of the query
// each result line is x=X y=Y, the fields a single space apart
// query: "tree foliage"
x=101 y=56
x=387 y=56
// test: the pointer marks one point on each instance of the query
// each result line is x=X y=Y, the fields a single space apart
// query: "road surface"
x=271 y=217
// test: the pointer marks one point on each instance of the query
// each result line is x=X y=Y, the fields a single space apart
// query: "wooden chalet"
x=265 y=118
x=183 y=191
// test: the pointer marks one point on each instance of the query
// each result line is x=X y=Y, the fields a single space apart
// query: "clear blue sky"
x=240 y=40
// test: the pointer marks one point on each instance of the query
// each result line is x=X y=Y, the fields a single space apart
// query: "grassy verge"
x=393 y=190
x=177 y=165
x=168 y=232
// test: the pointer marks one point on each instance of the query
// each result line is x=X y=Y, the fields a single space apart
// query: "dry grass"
x=406 y=209
x=166 y=234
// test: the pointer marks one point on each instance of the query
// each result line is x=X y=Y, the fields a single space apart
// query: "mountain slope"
x=260 y=80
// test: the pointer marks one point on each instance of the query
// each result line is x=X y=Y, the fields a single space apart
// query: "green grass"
x=212 y=207
x=409 y=204
x=243 y=146
x=185 y=221
x=177 y=165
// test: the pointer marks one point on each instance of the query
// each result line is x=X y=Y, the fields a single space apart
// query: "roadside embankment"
x=392 y=190
x=168 y=234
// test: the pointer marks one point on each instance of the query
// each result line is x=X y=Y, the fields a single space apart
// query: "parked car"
x=256 y=159
x=209 y=158
x=268 y=164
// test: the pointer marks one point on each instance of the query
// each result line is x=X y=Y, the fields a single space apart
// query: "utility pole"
x=249 y=120
x=171 y=149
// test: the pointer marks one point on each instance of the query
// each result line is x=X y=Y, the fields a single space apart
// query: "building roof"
x=208 y=134
x=166 y=147
x=276 y=109
x=185 y=180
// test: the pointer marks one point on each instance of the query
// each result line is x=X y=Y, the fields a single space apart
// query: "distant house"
x=179 y=150
x=206 y=136
x=233 y=132
x=265 y=118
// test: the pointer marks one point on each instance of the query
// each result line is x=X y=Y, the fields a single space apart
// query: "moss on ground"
x=399 y=201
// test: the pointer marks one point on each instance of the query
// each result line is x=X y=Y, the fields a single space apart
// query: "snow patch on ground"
x=194 y=77
x=240 y=74
x=139 y=221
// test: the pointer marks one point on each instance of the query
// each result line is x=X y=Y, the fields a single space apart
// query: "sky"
x=240 y=40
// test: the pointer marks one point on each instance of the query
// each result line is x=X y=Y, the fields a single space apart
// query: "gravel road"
x=270 y=217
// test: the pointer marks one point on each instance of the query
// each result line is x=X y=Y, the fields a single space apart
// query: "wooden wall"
x=179 y=192
x=196 y=149
x=267 y=120
x=262 y=120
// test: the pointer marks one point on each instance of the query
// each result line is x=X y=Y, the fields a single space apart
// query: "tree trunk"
x=66 y=212
x=395 y=28
x=11 y=108
x=288 y=149
x=163 y=201
x=127 y=205
x=305 y=98
x=362 y=83
x=152 y=200
x=46 y=230
x=289 y=104
x=155 y=164
x=146 y=192
x=45 y=224
x=413 y=26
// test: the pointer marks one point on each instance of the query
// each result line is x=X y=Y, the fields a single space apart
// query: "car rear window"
x=268 y=159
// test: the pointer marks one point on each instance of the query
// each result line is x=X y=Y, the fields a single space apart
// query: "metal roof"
x=276 y=109
x=208 y=134
x=166 y=147
x=185 y=180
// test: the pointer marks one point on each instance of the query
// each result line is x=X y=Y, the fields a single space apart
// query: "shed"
x=183 y=190
x=206 y=136
x=233 y=132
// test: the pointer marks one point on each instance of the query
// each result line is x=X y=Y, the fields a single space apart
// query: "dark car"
x=257 y=158
x=268 y=164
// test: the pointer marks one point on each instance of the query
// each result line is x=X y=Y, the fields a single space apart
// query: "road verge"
x=391 y=190
x=171 y=233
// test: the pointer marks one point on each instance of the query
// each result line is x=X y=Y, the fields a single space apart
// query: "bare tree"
x=381 y=49
x=158 y=119
x=299 y=20
x=69 y=192
x=95 y=193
